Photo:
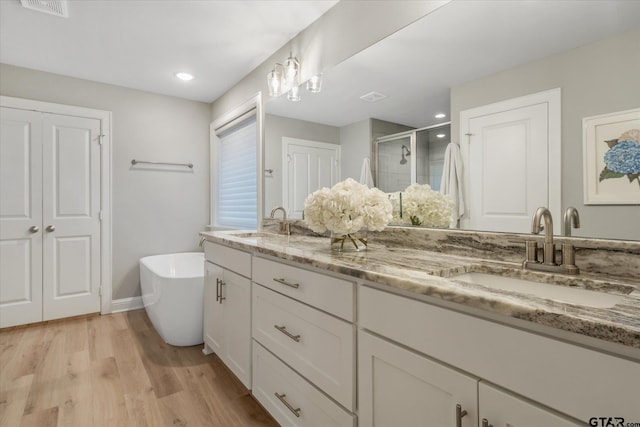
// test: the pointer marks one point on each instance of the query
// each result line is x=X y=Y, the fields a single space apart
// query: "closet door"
x=71 y=216
x=20 y=217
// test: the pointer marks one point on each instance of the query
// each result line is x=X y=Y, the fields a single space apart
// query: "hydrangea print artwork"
x=623 y=157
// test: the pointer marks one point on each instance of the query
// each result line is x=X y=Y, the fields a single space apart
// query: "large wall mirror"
x=465 y=55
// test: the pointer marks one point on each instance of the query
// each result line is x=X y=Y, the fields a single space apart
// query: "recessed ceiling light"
x=184 y=76
x=440 y=116
x=441 y=135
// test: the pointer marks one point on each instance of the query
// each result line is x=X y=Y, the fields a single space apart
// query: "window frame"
x=255 y=102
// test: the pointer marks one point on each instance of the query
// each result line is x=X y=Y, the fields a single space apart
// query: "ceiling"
x=460 y=42
x=141 y=44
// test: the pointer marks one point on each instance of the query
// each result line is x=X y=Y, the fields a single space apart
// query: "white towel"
x=452 y=181
x=365 y=173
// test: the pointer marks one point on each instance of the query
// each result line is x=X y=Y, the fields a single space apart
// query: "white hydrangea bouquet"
x=426 y=207
x=345 y=209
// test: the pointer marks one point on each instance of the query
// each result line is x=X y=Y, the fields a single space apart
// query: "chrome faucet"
x=548 y=262
x=549 y=251
x=284 y=224
x=571 y=216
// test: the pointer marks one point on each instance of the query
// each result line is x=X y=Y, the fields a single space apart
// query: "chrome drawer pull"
x=222 y=283
x=281 y=397
x=284 y=282
x=283 y=329
x=459 y=414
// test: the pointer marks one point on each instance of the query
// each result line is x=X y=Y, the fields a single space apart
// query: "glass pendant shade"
x=314 y=84
x=294 y=94
x=274 y=81
x=291 y=68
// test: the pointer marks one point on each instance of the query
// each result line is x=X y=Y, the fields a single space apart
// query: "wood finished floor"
x=115 y=370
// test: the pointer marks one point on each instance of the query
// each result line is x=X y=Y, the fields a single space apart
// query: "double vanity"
x=411 y=332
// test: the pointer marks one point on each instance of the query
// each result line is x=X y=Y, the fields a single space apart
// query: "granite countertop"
x=433 y=274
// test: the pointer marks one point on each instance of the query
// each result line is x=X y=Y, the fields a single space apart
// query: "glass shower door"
x=394 y=165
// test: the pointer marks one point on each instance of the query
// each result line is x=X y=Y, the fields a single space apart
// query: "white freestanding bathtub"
x=172 y=293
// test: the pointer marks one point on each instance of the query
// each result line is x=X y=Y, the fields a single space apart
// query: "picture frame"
x=611 y=153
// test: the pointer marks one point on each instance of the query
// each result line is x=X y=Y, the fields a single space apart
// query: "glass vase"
x=354 y=242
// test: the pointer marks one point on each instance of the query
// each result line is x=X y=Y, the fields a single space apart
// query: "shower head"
x=405 y=152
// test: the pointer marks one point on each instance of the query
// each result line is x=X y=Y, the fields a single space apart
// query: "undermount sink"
x=558 y=293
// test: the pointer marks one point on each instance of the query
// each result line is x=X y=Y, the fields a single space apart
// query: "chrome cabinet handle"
x=51 y=228
x=34 y=229
x=283 y=329
x=459 y=415
x=485 y=423
x=284 y=282
x=217 y=289
x=281 y=397
x=221 y=285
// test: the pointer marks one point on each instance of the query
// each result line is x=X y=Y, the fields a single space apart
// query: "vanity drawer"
x=318 y=346
x=231 y=259
x=330 y=294
x=271 y=376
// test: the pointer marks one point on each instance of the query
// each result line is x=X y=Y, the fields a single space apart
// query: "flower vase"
x=354 y=242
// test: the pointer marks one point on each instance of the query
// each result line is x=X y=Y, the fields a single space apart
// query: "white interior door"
x=20 y=217
x=71 y=216
x=310 y=165
x=511 y=153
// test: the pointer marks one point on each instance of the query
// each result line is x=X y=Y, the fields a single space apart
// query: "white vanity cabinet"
x=398 y=387
x=227 y=308
x=567 y=382
x=304 y=349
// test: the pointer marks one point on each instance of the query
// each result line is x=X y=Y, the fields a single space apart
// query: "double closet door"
x=49 y=216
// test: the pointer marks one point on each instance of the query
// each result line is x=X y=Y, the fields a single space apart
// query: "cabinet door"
x=397 y=387
x=235 y=292
x=213 y=320
x=500 y=408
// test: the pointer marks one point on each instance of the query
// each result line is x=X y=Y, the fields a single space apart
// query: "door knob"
x=51 y=228
x=34 y=229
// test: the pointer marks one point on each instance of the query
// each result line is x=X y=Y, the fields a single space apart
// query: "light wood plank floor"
x=115 y=370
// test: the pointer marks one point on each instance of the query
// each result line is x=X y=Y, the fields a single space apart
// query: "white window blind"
x=237 y=201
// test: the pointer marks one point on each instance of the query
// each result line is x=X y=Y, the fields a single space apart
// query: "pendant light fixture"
x=275 y=81
x=286 y=79
x=314 y=84
x=294 y=94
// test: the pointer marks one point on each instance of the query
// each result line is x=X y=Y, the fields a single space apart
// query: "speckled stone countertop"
x=434 y=274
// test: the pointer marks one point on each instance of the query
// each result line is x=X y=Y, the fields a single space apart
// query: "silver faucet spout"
x=285 y=228
x=541 y=214
x=571 y=216
x=279 y=208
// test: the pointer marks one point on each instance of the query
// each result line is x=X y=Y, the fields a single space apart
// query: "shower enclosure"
x=415 y=156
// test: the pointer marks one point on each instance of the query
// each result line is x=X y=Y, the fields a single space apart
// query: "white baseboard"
x=126 y=304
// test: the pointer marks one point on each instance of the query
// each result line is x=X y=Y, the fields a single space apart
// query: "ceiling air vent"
x=52 y=7
x=373 y=97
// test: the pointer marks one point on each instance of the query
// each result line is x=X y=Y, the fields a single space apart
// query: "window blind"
x=237 y=201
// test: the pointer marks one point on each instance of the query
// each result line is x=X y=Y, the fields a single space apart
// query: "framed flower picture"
x=612 y=158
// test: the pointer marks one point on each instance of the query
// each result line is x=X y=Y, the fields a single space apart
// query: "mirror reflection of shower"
x=405 y=152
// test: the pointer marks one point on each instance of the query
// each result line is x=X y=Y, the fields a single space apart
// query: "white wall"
x=154 y=211
x=355 y=142
x=275 y=128
x=599 y=78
